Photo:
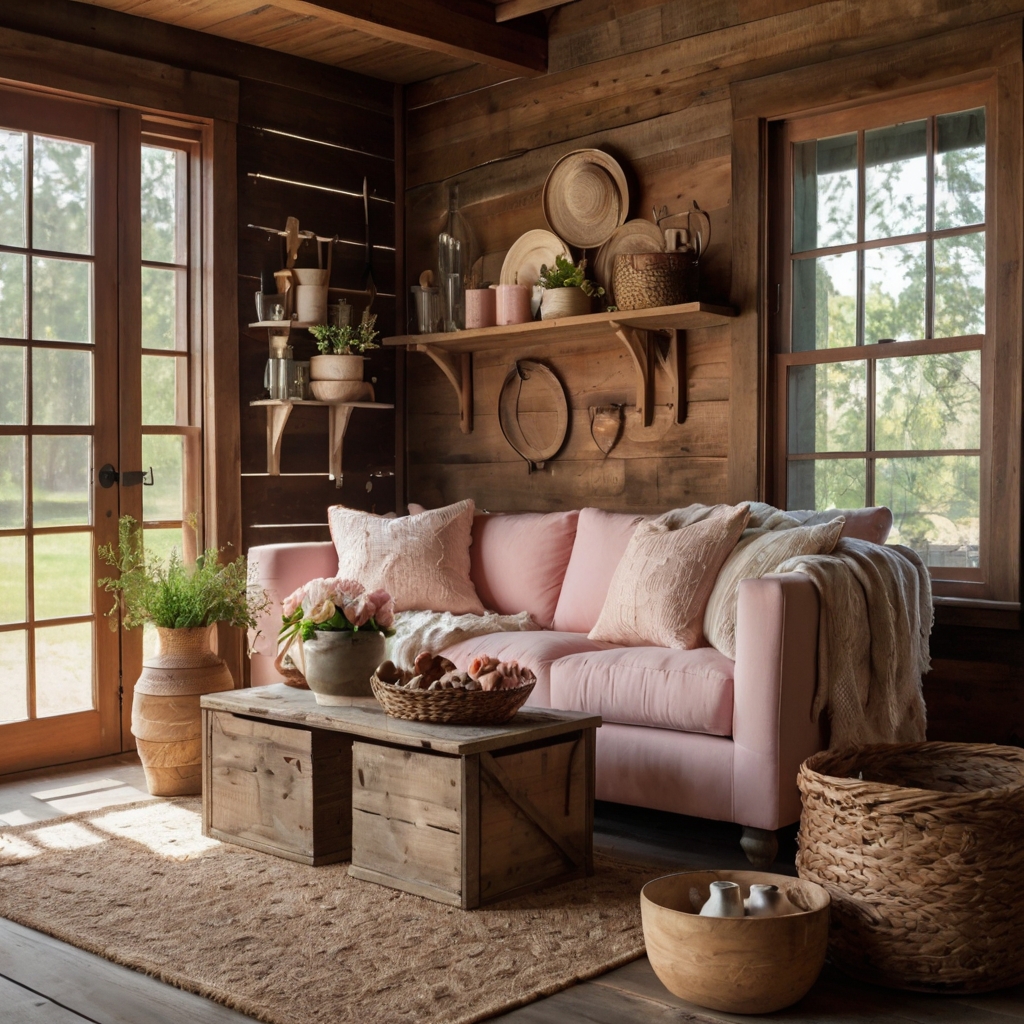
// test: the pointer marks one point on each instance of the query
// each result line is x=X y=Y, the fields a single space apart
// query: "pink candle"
x=513 y=304
x=481 y=308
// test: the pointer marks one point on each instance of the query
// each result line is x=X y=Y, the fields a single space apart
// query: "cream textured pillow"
x=422 y=561
x=760 y=552
x=661 y=585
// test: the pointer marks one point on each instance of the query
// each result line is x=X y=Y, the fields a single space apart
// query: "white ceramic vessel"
x=725 y=900
x=767 y=901
x=339 y=664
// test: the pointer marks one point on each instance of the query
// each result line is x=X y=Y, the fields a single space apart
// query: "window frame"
x=783 y=133
x=987 y=51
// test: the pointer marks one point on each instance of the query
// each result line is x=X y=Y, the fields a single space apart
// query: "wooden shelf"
x=289 y=324
x=452 y=352
x=278 y=412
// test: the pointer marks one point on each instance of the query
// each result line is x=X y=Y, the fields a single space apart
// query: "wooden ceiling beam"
x=506 y=10
x=466 y=30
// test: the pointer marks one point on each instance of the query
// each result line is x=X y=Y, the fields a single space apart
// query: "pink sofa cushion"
x=601 y=540
x=536 y=650
x=518 y=561
x=688 y=690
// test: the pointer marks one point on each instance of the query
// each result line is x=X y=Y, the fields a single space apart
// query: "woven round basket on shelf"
x=921 y=847
x=451 y=707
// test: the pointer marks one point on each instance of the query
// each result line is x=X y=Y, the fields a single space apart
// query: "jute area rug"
x=291 y=944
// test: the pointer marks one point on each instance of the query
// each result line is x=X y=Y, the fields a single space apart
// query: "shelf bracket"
x=277 y=419
x=338 y=417
x=458 y=368
x=673 y=362
x=640 y=346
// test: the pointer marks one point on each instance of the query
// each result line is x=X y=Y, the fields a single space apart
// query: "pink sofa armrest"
x=279 y=569
x=774 y=682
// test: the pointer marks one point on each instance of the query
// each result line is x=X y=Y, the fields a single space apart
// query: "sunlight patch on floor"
x=14 y=848
x=68 y=835
x=92 y=786
x=97 y=801
x=166 y=829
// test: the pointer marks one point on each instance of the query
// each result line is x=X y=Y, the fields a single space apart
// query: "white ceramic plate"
x=528 y=254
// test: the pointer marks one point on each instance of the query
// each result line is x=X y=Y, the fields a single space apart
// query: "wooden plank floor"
x=43 y=981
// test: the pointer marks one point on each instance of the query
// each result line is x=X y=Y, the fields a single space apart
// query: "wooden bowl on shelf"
x=735 y=964
x=338 y=390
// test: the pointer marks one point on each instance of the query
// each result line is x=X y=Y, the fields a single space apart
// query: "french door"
x=95 y=374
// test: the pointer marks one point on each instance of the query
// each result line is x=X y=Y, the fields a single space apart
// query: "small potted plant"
x=567 y=292
x=182 y=601
x=340 y=630
x=341 y=349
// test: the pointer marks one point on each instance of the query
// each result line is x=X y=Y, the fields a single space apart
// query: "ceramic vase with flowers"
x=340 y=629
x=183 y=600
x=337 y=373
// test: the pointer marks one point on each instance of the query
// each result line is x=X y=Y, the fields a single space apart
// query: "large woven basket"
x=921 y=847
x=643 y=280
x=451 y=707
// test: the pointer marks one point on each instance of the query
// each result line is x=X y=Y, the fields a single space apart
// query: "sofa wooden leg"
x=760 y=845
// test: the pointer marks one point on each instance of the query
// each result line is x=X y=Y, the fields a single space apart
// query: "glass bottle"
x=456 y=254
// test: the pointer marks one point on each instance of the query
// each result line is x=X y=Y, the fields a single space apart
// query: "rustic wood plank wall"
x=648 y=81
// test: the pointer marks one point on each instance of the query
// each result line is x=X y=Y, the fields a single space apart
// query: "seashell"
x=424 y=660
x=472 y=685
x=388 y=673
x=490 y=681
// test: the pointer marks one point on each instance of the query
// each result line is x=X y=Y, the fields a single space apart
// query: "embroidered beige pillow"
x=661 y=585
x=758 y=553
x=422 y=561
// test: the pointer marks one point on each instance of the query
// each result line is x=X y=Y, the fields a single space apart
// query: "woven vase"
x=166 y=719
x=921 y=847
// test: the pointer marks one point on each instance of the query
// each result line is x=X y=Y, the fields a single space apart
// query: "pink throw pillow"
x=518 y=561
x=421 y=560
x=601 y=539
x=662 y=585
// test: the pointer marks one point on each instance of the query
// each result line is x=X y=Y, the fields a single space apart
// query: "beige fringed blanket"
x=876 y=617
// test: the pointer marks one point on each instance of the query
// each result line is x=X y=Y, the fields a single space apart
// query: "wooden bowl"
x=738 y=964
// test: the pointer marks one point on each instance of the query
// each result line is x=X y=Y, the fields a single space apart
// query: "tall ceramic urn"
x=166 y=719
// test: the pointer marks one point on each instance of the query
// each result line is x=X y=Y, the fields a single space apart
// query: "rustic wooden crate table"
x=465 y=815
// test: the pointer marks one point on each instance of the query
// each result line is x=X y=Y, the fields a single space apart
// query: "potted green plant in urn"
x=183 y=601
x=567 y=291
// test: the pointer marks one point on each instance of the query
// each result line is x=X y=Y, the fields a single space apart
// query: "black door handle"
x=108 y=476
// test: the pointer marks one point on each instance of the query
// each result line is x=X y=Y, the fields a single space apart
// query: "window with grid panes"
x=883 y=342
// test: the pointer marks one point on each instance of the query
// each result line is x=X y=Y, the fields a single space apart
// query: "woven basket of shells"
x=489 y=692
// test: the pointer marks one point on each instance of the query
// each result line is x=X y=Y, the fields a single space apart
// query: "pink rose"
x=351 y=587
x=292 y=602
x=383 y=608
x=358 y=610
x=322 y=612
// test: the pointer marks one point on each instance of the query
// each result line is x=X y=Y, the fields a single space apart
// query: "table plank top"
x=364 y=717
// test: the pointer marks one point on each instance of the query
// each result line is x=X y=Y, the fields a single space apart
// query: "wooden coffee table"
x=465 y=815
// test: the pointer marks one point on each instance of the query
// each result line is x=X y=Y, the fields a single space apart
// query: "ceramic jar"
x=166 y=720
x=767 y=901
x=512 y=304
x=336 y=367
x=725 y=900
x=311 y=295
x=339 y=664
x=559 y=302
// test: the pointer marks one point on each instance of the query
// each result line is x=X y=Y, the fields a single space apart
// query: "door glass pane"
x=163 y=388
x=61 y=478
x=159 y=204
x=12 y=483
x=828 y=407
x=12 y=188
x=935 y=506
x=960 y=169
x=12 y=579
x=895 y=180
x=12 y=295
x=960 y=285
x=158 y=307
x=62 y=195
x=163 y=500
x=12 y=385
x=824 y=192
x=13 y=677
x=61 y=300
x=825 y=302
x=826 y=483
x=62 y=564
x=895 y=280
x=928 y=402
x=64 y=656
x=61 y=386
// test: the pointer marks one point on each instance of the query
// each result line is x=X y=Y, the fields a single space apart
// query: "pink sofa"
x=691 y=732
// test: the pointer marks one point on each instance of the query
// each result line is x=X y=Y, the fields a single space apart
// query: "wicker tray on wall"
x=451 y=707
x=921 y=847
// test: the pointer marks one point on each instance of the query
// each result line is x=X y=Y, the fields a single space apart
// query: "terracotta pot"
x=166 y=720
x=559 y=302
x=335 y=367
x=339 y=664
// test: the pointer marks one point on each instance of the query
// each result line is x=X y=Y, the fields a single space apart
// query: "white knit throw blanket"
x=875 y=620
x=434 y=631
